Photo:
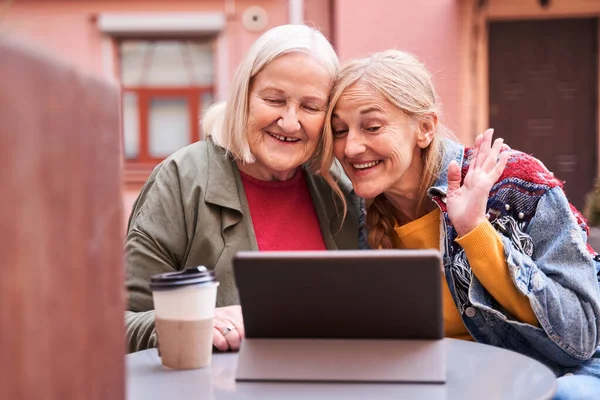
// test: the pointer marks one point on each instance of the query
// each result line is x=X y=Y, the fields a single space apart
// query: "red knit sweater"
x=283 y=214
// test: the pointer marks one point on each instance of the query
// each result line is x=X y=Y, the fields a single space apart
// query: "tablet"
x=356 y=294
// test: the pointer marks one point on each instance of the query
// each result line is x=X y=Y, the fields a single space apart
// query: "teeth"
x=366 y=165
x=283 y=138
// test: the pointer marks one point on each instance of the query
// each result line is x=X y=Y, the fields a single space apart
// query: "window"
x=166 y=85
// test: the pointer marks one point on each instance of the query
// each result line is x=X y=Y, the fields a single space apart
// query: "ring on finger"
x=228 y=329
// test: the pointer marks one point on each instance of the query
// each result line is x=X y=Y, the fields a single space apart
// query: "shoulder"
x=521 y=168
x=524 y=181
x=342 y=180
x=195 y=156
x=191 y=163
x=184 y=172
x=527 y=168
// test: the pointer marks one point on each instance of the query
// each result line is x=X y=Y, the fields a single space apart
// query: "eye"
x=373 y=129
x=311 y=108
x=274 y=101
x=339 y=133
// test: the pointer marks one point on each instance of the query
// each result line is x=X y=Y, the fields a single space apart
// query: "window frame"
x=137 y=169
x=193 y=95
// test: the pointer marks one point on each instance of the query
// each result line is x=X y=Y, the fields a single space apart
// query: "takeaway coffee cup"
x=184 y=304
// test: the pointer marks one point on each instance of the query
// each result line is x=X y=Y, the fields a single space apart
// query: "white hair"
x=225 y=122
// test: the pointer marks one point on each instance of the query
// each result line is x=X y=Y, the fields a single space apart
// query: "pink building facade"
x=108 y=37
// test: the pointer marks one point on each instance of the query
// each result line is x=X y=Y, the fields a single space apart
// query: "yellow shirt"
x=485 y=253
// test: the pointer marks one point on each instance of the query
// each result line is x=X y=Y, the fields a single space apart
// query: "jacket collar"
x=221 y=190
x=451 y=151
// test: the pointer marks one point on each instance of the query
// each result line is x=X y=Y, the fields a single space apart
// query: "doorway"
x=543 y=85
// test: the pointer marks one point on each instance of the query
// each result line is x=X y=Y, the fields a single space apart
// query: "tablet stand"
x=342 y=360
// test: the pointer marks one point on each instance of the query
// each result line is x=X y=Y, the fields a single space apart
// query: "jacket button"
x=470 y=311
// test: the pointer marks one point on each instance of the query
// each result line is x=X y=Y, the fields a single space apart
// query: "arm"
x=156 y=243
x=485 y=253
x=559 y=278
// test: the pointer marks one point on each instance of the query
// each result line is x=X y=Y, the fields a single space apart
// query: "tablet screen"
x=357 y=294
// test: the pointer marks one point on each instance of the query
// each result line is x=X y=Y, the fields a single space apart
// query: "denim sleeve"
x=559 y=278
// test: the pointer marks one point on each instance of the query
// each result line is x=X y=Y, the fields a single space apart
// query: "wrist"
x=464 y=229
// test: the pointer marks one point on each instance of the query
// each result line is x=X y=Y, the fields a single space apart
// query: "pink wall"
x=318 y=14
x=68 y=28
x=240 y=39
x=430 y=29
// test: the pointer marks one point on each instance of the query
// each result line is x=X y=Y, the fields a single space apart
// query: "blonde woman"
x=518 y=273
x=249 y=187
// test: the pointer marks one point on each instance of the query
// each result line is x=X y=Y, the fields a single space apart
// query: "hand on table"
x=467 y=204
x=228 y=330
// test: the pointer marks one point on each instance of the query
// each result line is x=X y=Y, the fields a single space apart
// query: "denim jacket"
x=544 y=240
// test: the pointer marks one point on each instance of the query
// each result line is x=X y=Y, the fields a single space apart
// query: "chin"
x=284 y=165
x=283 y=162
x=366 y=192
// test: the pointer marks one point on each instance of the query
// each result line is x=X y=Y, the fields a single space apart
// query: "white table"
x=475 y=371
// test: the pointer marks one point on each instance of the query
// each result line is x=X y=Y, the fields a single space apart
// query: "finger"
x=453 y=177
x=492 y=158
x=236 y=317
x=219 y=341
x=500 y=165
x=476 y=149
x=232 y=336
x=234 y=340
x=239 y=327
x=484 y=148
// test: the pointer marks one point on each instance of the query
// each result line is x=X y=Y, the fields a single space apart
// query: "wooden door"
x=543 y=95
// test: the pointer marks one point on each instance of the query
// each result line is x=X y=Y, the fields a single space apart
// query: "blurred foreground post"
x=61 y=290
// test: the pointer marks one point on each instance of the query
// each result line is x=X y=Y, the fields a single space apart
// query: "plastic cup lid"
x=188 y=277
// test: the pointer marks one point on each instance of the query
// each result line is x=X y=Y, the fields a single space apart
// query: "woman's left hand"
x=228 y=331
x=467 y=204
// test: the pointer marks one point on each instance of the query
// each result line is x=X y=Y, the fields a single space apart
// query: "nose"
x=354 y=144
x=289 y=121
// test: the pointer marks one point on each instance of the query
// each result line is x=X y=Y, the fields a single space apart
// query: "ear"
x=427 y=128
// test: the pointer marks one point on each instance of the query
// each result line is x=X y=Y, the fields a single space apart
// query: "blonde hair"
x=406 y=83
x=226 y=122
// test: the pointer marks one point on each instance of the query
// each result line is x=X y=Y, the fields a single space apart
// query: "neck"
x=405 y=196
x=404 y=208
x=265 y=174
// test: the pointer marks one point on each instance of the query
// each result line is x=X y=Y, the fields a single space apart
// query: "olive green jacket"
x=193 y=211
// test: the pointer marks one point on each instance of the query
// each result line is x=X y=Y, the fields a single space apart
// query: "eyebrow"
x=315 y=98
x=271 y=88
x=279 y=91
x=370 y=110
x=362 y=112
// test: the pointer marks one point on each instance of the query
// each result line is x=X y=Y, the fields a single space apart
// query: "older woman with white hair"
x=250 y=186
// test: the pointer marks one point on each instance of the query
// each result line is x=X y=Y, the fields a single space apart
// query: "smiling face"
x=286 y=114
x=378 y=144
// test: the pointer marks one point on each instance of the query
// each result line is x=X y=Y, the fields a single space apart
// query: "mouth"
x=365 y=166
x=281 y=138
